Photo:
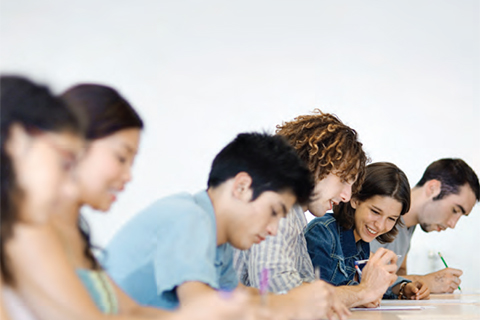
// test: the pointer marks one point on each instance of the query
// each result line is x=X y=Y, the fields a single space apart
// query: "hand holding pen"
x=377 y=275
x=358 y=263
x=449 y=276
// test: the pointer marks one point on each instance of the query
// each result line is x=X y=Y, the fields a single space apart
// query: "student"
x=180 y=247
x=339 y=239
x=447 y=191
x=40 y=141
x=335 y=156
x=66 y=276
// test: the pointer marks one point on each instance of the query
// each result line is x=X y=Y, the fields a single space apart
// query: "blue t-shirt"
x=170 y=242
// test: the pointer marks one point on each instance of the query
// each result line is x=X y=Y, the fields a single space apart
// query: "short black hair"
x=270 y=161
x=452 y=173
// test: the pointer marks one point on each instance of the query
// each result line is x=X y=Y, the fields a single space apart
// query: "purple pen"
x=264 y=285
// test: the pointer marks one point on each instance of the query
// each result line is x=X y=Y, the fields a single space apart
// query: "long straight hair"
x=36 y=109
x=107 y=112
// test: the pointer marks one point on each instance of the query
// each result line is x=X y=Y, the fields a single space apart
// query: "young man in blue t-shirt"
x=180 y=247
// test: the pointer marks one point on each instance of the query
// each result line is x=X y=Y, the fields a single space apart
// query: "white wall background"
x=405 y=74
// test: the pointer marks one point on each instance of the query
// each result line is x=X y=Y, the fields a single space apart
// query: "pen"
x=317 y=273
x=264 y=286
x=441 y=257
x=366 y=260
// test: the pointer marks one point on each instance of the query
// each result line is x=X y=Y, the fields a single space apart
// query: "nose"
x=380 y=224
x=127 y=177
x=453 y=220
x=346 y=192
x=272 y=227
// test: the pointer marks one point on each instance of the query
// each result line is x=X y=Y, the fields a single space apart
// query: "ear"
x=433 y=188
x=354 y=202
x=18 y=140
x=242 y=184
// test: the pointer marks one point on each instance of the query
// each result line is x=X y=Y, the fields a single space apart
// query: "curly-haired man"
x=337 y=161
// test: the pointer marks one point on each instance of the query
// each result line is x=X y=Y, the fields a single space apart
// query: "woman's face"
x=43 y=165
x=375 y=216
x=106 y=167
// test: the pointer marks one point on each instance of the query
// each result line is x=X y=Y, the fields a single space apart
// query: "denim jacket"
x=333 y=249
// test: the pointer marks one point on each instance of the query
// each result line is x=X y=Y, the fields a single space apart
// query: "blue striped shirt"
x=284 y=255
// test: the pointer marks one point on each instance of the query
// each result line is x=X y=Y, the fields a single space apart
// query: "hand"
x=417 y=290
x=221 y=305
x=373 y=304
x=317 y=300
x=379 y=274
x=338 y=307
x=443 y=281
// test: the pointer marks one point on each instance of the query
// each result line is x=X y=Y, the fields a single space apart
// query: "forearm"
x=152 y=313
x=283 y=306
x=412 y=277
x=353 y=296
x=401 y=271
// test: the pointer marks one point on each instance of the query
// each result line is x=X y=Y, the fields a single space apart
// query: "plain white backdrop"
x=405 y=74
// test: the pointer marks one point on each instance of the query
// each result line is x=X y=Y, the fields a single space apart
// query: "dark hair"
x=105 y=109
x=452 y=173
x=107 y=112
x=271 y=162
x=36 y=109
x=326 y=145
x=381 y=179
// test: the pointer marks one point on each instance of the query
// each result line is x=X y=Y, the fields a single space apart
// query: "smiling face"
x=106 y=168
x=438 y=215
x=329 y=191
x=375 y=216
x=253 y=221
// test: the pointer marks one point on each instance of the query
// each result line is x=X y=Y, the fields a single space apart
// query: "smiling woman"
x=113 y=136
x=385 y=186
x=335 y=241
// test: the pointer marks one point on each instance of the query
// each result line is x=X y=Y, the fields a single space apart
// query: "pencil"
x=443 y=260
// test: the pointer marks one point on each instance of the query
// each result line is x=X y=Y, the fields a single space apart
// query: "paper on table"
x=386 y=308
x=431 y=301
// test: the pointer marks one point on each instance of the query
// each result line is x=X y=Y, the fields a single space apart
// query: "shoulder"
x=37 y=235
x=179 y=208
x=30 y=245
x=328 y=221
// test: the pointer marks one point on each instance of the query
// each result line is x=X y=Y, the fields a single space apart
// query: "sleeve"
x=228 y=276
x=319 y=243
x=184 y=251
x=277 y=254
x=389 y=294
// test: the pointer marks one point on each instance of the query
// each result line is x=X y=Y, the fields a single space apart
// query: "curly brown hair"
x=327 y=146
